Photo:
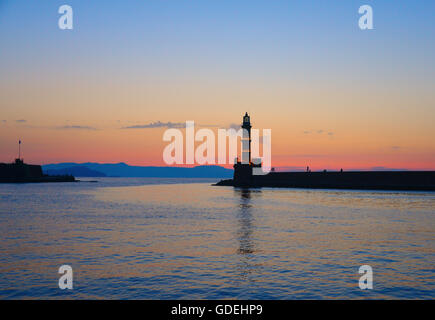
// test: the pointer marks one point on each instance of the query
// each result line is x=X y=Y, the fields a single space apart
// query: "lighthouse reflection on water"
x=247 y=247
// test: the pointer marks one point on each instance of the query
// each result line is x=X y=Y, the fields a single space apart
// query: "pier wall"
x=383 y=180
x=20 y=171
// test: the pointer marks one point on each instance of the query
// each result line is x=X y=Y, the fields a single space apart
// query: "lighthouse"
x=243 y=168
x=246 y=139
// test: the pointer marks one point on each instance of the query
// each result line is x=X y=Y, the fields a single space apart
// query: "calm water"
x=185 y=239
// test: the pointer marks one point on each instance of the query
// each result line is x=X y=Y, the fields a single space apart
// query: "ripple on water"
x=154 y=238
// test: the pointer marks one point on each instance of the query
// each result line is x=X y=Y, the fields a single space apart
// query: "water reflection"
x=246 y=226
x=244 y=233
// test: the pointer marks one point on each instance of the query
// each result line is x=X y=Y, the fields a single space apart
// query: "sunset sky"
x=334 y=96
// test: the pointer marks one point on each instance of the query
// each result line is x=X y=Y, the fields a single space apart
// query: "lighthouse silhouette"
x=246 y=139
x=243 y=169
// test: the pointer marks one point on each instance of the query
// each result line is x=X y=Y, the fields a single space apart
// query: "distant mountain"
x=76 y=171
x=125 y=170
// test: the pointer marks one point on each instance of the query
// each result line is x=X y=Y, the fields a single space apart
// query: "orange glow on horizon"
x=144 y=147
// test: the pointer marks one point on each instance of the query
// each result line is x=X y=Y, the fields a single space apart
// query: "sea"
x=159 y=238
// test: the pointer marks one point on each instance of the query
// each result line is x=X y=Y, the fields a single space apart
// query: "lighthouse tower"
x=243 y=168
x=246 y=139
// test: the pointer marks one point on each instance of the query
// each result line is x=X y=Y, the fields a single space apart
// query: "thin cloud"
x=158 y=124
x=234 y=126
x=20 y=121
x=75 y=128
x=319 y=132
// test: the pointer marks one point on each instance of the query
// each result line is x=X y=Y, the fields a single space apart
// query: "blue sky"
x=218 y=34
x=296 y=65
